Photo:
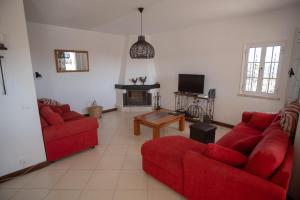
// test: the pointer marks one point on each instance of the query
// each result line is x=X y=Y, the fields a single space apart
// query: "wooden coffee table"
x=156 y=120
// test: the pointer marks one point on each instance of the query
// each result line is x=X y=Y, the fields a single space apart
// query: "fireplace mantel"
x=137 y=87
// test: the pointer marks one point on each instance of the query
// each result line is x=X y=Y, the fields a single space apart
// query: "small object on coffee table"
x=156 y=120
x=203 y=132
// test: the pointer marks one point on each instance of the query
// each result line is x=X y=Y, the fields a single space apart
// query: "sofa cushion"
x=50 y=116
x=225 y=155
x=40 y=105
x=65 y=108
x=246 y=116
x=72 y=115
x=261 y=121
x=167 y=152
x=246 y=145
x=43 y=122
x=240 y=131
x=272 y=127
x=268 y=154
x=283 y=173
x=57 y=109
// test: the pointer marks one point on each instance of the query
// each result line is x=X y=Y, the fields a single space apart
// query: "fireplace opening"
x=137 y=98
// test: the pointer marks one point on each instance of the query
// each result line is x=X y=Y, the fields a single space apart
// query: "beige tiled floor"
x=111 y=171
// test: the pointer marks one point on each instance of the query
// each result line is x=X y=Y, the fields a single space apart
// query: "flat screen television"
x=192 y=83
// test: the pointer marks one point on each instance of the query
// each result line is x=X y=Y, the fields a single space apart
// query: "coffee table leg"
x=136 y=127
x=182 y=124
x=156 y=133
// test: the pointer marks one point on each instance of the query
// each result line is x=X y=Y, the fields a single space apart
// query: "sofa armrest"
x=205 y=178
x=65 y=108
x=246 y=116
x=69 y=128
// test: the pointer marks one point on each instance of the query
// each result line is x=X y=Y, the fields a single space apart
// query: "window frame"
x=258 y=93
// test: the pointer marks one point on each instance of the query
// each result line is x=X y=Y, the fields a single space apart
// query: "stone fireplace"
x=136 y=97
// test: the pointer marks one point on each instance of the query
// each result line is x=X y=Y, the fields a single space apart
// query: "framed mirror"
x=71 y=60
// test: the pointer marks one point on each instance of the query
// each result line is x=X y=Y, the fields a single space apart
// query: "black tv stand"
x=201 y=108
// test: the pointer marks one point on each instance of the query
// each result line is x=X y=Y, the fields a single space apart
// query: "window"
x=261 y=66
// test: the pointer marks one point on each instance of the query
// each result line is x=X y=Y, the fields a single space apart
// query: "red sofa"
x=196 y=172
x=66 y=132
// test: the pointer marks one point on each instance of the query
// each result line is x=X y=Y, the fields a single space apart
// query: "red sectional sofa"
x=252 y=161
x=66 y=132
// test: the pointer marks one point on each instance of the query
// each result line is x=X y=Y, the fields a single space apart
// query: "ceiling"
x=121 y=16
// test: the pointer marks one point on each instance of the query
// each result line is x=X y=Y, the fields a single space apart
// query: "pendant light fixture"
x=141 y=49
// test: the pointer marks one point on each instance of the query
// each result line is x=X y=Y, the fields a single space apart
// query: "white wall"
x=21 y=142
x=216 y=49
x=78 y=89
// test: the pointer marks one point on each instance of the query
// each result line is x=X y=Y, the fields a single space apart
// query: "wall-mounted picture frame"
x=71 y=60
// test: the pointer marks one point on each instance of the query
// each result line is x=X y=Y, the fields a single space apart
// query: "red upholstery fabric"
x=246 y=116
x=239 y=132
x=169 y=151
x=69 y=128
x=72 y=115
x=66 y=146
x=283 y=174
x=75 y=134
x=40 y=105
x=183 y=166
x=65 y=108
x=225 y=155
x=164 y=176
x=43 y=122
x=272 y=127
x=261 y=121
x=277 y=117
x=246 y=145
x=268 y=154
x=57 y=109
x=208 y=179
x=50 y=116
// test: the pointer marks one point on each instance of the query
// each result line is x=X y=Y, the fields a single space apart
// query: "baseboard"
x=223 y=124
x=109 y=110
x=24 y=171
x=105 y=111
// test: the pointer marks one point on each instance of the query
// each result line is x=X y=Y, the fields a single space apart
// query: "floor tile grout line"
x=17 y=190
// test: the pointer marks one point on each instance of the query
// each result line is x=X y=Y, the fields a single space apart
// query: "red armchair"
x=185 y=166
x=66 y=132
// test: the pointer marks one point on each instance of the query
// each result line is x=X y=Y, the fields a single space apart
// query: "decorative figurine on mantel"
x=143 y=79
x=134 y=80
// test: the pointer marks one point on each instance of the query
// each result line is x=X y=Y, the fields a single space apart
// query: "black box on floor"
x=203 y=132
